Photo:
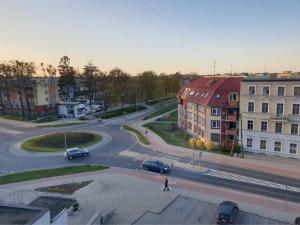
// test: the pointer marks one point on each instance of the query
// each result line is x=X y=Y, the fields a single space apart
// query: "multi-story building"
x=270 y=109
x=209 y=109
x=41 y=93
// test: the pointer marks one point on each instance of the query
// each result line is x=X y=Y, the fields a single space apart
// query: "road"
x=218 y=175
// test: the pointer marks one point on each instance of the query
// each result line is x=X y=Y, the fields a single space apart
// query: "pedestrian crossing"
x=251 y=180
x=5 y=172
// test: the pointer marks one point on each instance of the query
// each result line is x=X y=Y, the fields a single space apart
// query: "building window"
x=264 y=126
x=215 y=137
x=296 y=109
x=266 y=90
x=190 y=115
x=215 y=111
x=296 y=91
x=280 y=91
x=278 y=127
x=250 y=124
x=250 y=106
x=251 y=90
x=293 y=148
x=265 y=107
x=47 y=99
x=195 y=117
x=215 y=124
x=277 y=146
x=46 y=92
x=195 y=129
x=249 y=142
x=279 y=109
x=263 y=144
x=294 y=128
x=189 y=125
x=233 y=96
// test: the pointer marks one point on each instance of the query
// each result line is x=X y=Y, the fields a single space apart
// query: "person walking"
x=166 y=185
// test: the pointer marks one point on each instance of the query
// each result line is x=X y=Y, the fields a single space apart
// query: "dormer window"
x=218 y=96
x=233 y=96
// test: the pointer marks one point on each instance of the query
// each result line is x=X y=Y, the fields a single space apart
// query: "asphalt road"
x=108 y=155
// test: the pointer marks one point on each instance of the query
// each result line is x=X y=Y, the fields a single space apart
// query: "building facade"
x=209 y=109
x=270 y=110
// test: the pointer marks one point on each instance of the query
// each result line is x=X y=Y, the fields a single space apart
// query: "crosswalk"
x=5 y=172
x=251 y=180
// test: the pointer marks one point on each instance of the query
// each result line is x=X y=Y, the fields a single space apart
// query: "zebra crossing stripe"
x=231 y=176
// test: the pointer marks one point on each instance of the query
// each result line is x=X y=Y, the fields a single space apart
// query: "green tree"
x=148 y=83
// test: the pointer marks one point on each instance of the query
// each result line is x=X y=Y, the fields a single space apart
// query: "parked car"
x=297 y=221
x=227 y=212
x=155 y=166
x=76 y=152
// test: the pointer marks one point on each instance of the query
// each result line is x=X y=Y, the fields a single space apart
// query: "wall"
x=43 y=220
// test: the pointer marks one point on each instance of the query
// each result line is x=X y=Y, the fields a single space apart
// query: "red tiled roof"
x=204 y=90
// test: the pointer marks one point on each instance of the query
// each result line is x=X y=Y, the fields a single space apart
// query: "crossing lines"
x=251 y=180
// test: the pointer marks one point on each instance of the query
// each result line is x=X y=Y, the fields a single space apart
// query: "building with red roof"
x=209 y=109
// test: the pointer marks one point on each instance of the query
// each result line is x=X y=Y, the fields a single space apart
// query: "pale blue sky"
x=161 y=35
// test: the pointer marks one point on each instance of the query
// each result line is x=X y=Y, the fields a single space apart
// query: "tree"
x=6 y=74
x=66 y=81
x=148 y=82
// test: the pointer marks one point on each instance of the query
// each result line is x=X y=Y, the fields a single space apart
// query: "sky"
x=165 y=36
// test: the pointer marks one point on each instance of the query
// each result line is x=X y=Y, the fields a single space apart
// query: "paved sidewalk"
x=263 y=163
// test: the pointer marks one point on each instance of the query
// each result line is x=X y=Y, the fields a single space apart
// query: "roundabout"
x=55 y=142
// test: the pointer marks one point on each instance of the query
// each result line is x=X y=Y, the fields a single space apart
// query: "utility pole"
x=242 y=149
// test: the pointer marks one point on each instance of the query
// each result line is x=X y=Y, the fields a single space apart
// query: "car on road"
x=155 y=166
x=297 y=221
x=227 y=212
x=72 y=153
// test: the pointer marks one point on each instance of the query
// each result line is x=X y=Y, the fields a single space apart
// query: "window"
x=215 y=111
x=277 y=146
x=278 y=127
x=190 y=115
x=195 y=117
x=46 y=92
x=233 y=96
x=195 y=129
x=296 y=91
x=280 y=91
x=279 y=109
x=265 y=107
x=215 y=124
x=293 y=148
x=249 y=142
x=250 y=124
x=251 y=90
x=294 y=128
x=266 y=90
x=47 y=99
x=264 y=126
x=189 y=125
x=263 y=144
x=218 y=96
x=215 y=137
x=250 y=106
x=296 y=109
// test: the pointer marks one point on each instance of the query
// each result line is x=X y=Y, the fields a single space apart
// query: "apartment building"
x=42 y=93
x=270 y=109
x=209 y=109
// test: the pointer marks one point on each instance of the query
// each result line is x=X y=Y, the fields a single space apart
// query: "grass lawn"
x=140 y=136
x=161 y=111
x=120 y=112
x=61 y=124
x=172 y=117
x=38 y=174
x=55 y=142
x=15 y=117
x=160 y=100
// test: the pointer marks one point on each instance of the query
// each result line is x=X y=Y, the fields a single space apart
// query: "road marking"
x=251 y=180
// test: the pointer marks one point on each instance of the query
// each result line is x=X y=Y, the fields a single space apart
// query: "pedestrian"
x=166 y=185
x=146 y=131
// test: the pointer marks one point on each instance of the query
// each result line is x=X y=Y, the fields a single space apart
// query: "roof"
x=21 y=215
x=54 y=204
x=268 y=79
x=210 y=91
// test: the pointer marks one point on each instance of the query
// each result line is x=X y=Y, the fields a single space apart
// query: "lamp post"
x=172 y=137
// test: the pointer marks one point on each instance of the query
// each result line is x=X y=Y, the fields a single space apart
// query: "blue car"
x=227 y=212
x=155 y=166
x=72 y=153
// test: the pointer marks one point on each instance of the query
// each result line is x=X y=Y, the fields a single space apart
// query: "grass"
x=140 y=136
x=160 y=100
x=16 y=117
x=38 y=174
x=55 y=142
x=47 y=119
x=61 y=124
x=161 y=111
x=172 y=117
x=120 y=112
x=66 y=189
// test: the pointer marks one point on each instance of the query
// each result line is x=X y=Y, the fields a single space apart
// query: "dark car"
x=297 y=221
x=227 y=212
x=76 y=152
x=155 y=166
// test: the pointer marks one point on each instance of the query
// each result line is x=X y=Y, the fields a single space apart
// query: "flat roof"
x=54 y=204
x=20 y=215
x=268 y=79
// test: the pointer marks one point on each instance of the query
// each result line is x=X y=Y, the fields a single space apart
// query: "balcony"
x=232 y=117
x=233 y=103
x=280 y=117
x=231 y=131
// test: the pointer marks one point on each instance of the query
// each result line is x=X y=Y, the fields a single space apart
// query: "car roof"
x=72 y=149
x=153 y=161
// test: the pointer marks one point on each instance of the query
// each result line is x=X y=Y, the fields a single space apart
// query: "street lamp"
x=242 y=149
x=172 y=137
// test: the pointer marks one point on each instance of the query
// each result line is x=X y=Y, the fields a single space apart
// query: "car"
x=297 y=221
x=155 y=166
x=76 y=152
x=227 y=212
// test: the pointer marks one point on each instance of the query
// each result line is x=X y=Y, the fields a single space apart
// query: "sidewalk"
x=263 y=163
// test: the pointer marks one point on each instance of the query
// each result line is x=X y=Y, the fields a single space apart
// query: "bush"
x=209 y=145
x=199 y=143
